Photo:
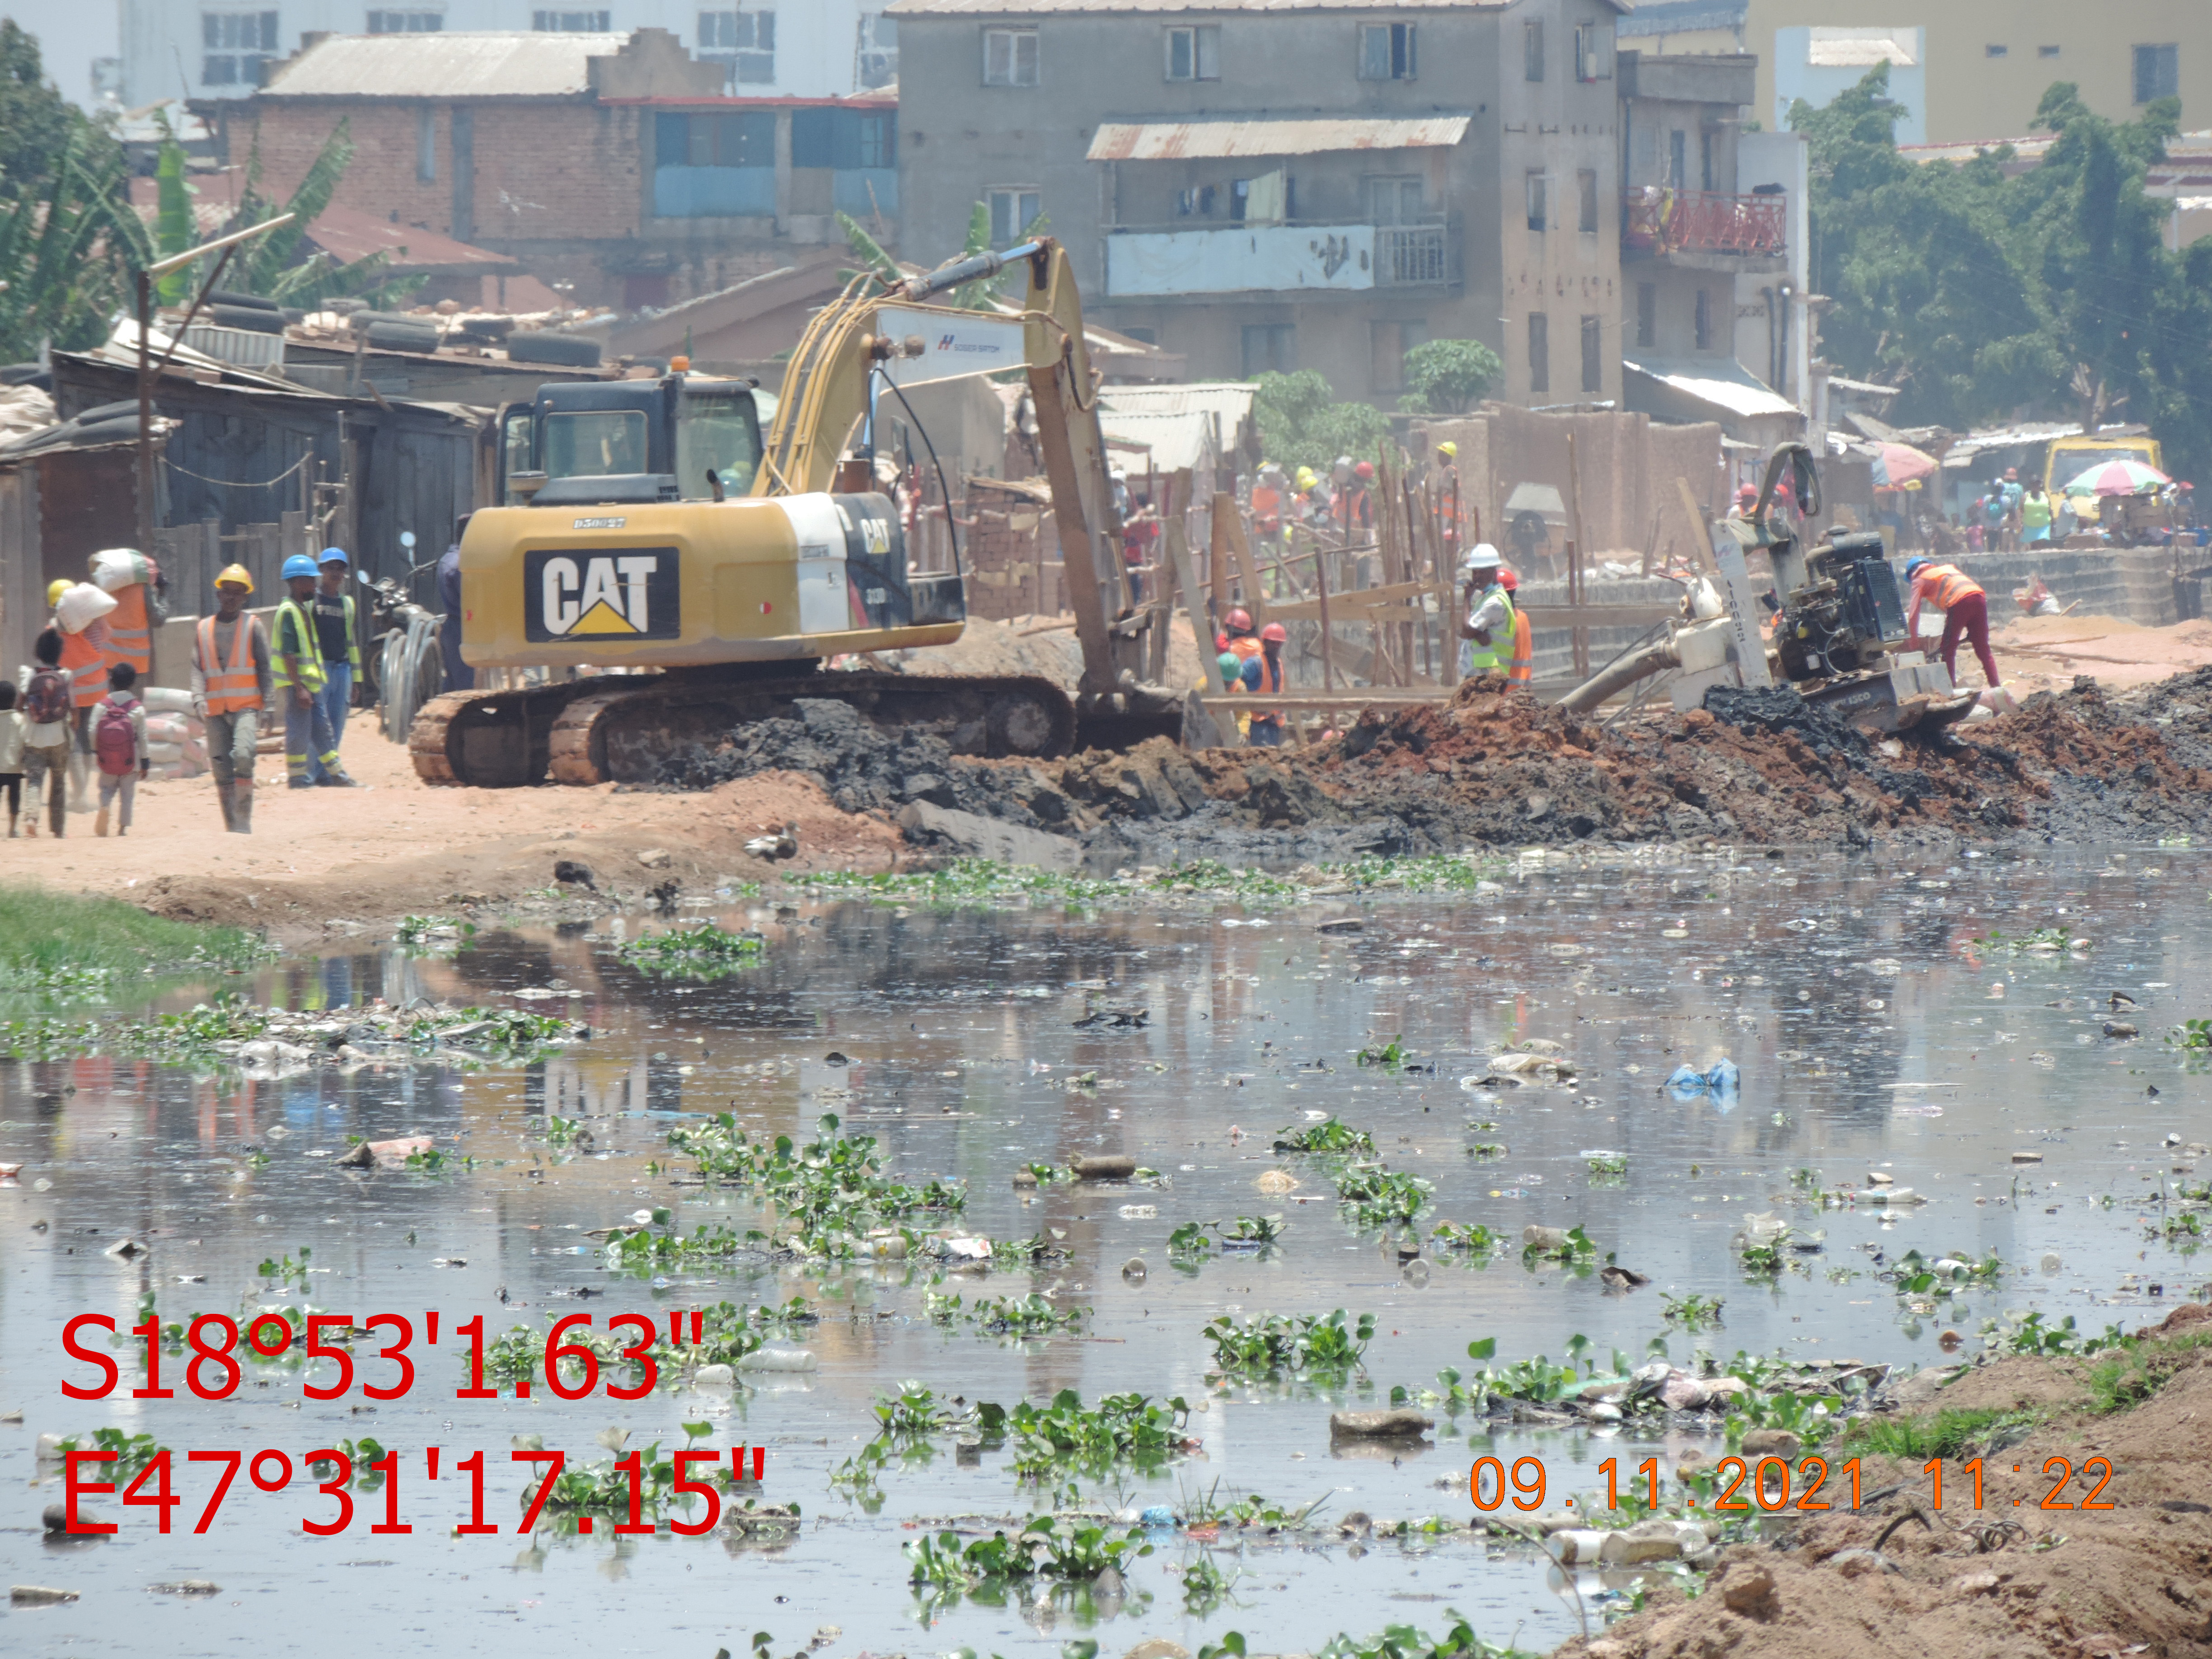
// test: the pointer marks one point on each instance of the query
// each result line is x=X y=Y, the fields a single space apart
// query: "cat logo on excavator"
x=615 y=593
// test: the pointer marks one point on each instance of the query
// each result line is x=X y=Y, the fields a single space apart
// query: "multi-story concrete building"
x=1275 y=185
x=219 y=49
x=614 y=166
x=1959 y=72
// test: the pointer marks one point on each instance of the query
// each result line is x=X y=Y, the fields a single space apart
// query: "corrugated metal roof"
x=462 y=65
x=1230 y=399
x=1213 y=137
x=1172 y=441
x=346 y=235
x=1721 y=382
x=1034 y=8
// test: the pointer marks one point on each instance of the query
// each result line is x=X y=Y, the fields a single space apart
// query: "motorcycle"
x=403 y=666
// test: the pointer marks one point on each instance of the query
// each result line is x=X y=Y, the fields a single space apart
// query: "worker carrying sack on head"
x=134 y=581
x=300 y=679
x=1965 y=611
x=81 y=614
x=1486 y=633
x=231 y=680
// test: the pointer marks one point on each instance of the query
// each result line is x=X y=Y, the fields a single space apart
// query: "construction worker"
x=1263 y=674
x=130 y=625
x=1268 y=503
x=81 y=614
x=1447 y=484
x=300 y=678
x=1520 y=666
x=1486 y=633
x=341 y=647
x=1236 y=629
x=231 y=681
x=1966 y=608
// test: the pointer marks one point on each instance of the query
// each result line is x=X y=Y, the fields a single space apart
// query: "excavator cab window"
x=595 y=442
x=717 y=429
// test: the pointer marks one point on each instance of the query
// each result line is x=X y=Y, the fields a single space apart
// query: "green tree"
x=68 y=245
x=1301 y=424
x=36 y=122
x=273 y=266
x=1449 y=377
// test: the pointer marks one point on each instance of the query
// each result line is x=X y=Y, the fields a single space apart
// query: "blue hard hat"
x=1915 y=563
x=300 y=564
x=335 y=555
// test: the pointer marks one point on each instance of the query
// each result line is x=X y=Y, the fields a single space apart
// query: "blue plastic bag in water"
x=1159 y=1514
x=1721 y=1082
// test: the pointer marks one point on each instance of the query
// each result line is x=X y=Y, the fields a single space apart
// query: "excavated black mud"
x=1498 y=769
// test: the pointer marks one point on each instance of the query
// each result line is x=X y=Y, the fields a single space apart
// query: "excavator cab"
x=606 y=443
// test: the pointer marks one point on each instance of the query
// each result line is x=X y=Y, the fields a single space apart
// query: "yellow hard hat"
x=56 y=588
x=1451 y=449
x=235 y=573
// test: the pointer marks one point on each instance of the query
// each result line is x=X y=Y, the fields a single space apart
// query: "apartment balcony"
x=1184 y=262
x=1705 y=230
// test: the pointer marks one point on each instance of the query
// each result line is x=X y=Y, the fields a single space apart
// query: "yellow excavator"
x=704 y=574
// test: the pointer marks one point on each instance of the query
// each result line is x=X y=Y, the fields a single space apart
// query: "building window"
x=572 y=23
x=1586 y=193
x=1195 y=53
x=1270 y=349
x=1593 y=355
x=1705 y=320
x=1010 y=57
x=1394 y=201
x=743 y=42
x=1647 y=315
x=1678 y=159
x=741 y=139
x=406 y=22
x=878 y=50
x=1707 y=144
x=2046 y=52
x=1386 y=52
x=1532 y=51
x=237 y=44
x=1540 y=352
x=879 y=142
x=2158 y=72
x=1535 y=184
x=426 y=145
x=1593 y=52
x=1995 y=51
x=1014 y=209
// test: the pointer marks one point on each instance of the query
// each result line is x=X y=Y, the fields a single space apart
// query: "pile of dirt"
x=1903 y=1575
x=1495 y=767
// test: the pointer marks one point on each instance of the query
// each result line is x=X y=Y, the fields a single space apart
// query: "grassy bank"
x=77 y=945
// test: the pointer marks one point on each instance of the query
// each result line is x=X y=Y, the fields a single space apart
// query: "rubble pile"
x=1495 y=767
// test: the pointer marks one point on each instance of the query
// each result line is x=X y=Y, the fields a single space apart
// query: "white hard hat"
x=1481 y=557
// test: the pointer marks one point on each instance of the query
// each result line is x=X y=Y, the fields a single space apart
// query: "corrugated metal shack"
x=58 y=507
x=246 y=453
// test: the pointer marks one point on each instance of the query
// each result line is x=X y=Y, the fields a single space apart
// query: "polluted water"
x=1197 y=1236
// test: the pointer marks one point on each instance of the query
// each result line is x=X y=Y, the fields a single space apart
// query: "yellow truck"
x=2068 y=459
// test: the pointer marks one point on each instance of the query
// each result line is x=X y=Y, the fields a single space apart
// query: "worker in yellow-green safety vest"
x=341 y=647
x=301 y=680
x=1486 y=630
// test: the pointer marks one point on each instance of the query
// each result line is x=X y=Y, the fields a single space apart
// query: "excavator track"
x=619 y=728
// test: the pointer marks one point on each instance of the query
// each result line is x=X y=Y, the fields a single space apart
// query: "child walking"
x=119 y=741
x=11 y=755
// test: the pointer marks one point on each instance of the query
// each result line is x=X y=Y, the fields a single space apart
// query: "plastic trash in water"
x=1721 y=1081
x=777 y=1359
x=1158 y=1515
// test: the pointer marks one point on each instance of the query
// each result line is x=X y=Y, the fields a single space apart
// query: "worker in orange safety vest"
x=1520 y=666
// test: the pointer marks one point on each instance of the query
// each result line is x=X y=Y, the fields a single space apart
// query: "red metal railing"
x=1657 y=220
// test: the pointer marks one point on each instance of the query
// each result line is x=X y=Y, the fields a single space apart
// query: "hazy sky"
x=71 y=33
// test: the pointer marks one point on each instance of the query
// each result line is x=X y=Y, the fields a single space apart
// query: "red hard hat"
x=1507 y=579
x=1364 y=469
x=1748 y=493
x=1276 y=632
x=1239 y=621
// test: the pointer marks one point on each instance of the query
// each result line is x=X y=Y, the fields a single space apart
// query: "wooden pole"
x=1328 y=658
x=1701 y=537
x=1581 y=635
x=1225 y=518
x=1248 y=571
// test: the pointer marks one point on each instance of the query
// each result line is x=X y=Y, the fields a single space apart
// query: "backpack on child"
x=47 y=699
x=115 y=739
